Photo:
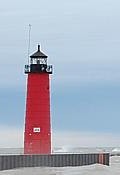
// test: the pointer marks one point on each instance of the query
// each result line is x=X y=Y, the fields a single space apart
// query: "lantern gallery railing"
x=47 y=68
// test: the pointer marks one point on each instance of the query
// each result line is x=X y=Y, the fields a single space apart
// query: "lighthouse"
x=37 y=134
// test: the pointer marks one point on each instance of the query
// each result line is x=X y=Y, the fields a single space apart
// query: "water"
x=65 y=149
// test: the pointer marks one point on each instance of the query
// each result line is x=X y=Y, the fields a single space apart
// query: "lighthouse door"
x=37 y=146
x=34 y=144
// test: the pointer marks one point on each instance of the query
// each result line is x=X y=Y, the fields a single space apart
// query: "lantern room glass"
x=38 y=61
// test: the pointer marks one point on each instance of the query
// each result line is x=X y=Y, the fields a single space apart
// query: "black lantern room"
x=38 y=63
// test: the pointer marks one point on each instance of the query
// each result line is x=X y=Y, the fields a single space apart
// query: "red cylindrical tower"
x=37 y=135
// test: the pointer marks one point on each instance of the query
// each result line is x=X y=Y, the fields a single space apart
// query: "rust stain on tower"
x=37 y=135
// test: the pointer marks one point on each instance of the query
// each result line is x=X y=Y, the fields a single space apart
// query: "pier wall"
x=54 y=160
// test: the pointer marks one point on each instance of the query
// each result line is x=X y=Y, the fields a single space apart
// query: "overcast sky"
x=82 y=40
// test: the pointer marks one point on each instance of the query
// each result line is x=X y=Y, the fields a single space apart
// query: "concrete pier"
x=54 y=160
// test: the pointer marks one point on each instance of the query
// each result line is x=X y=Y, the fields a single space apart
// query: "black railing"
x=38 y=68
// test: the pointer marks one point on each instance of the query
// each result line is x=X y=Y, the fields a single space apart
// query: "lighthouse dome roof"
x=38 y=54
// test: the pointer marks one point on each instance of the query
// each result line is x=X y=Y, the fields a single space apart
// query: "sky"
x=82 y=40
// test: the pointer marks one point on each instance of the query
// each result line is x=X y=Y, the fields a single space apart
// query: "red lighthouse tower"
x=37 y=135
